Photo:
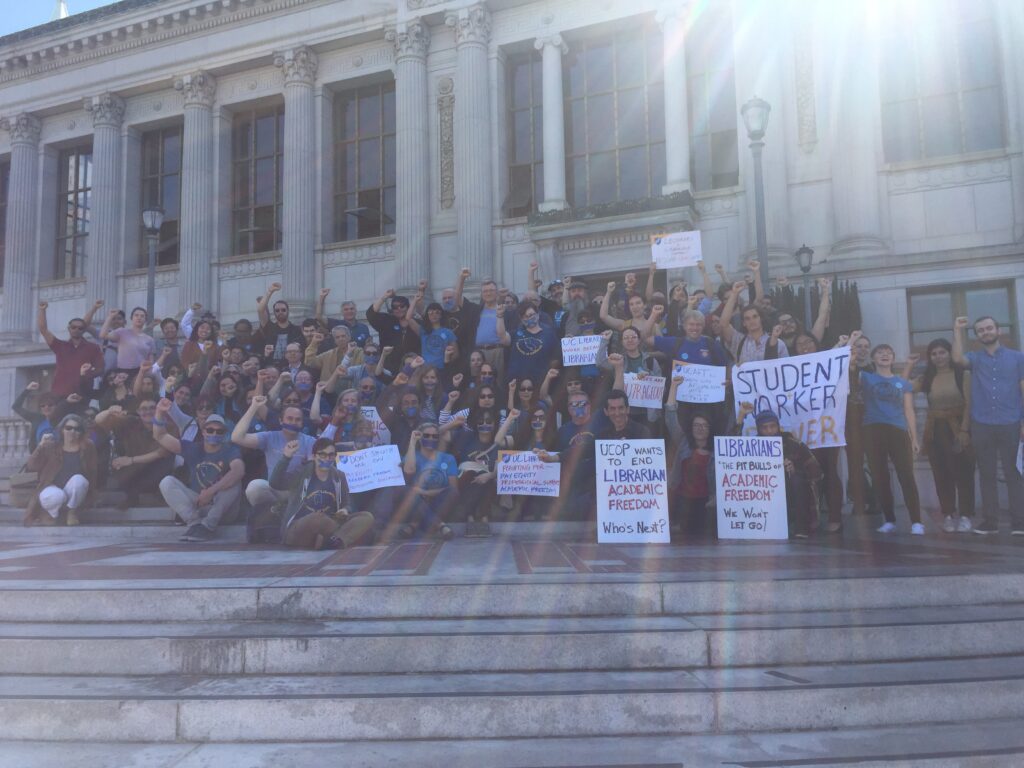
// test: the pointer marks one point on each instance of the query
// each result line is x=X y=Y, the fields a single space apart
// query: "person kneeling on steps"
x=317 y=515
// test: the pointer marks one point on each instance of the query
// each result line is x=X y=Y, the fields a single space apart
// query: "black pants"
x=830 y=485
x=140 y=478
x=885 y=443
x=953 y=471
x=799 y=503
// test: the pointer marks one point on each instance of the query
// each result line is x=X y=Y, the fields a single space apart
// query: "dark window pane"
x=389 y=160
x=369 y=163
x=633 y=181
x=264 y=226
x=520 y=83
x=656 y=113
x=576 y=181
x=600 y=122
x=724 y=159
x=573 y=68
x=151 y=155
x=369 y=112
x=172 y=152
x=84 y=211
x=243 y=138
x=370 y=215
x=599 y=67
x=151 y=191
x=602 y=178
x=346 y=122
x=576 y=128
x=657 y=168
x=170 y=197
x=85 y=170
x=522 y=135
x=538 y=135
x=942 y=126
x=520 y=196
x=632 y=117
x=983 y=120
x=538 y=183
x=700 y=161
x=345 y=157
x=900 y=136
x=388 y=108
x=241 y=185
x=537 y=75
x=989 y=301
x=390 y=207
x=930 y=311
x=265 y=139
x=629 y=59
x=265 y=181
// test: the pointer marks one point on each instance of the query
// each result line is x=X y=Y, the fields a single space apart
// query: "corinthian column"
x=19 y=243
x=473 y=138
x=677 y=121
x=552 y=49
x=103 y=246
x=299 y=66
x=197 y=245
x=412 y=154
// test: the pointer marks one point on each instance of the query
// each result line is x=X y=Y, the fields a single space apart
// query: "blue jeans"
x=992 y=443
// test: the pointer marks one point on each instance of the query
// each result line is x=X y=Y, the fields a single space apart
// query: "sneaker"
x=800 y=535
x=887 y=528
x=195 y=532
x=986 y=528
x=917 y=529
x=949 y=525
x=965 y=525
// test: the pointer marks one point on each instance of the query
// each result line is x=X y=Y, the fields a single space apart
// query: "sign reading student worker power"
x=632 y=492
x=751 y=488
x=808 y=393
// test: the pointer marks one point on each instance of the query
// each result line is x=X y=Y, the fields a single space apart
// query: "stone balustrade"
x=13 y=439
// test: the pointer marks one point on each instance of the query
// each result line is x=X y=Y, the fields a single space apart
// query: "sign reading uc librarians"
x=632 y=492
x=751 y=492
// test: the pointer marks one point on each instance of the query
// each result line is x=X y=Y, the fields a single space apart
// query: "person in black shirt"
x=393 y=328
x=279 y=332
x=616 y=408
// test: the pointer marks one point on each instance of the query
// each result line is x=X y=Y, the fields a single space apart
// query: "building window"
x=161 y=186
x=933 y=310
x=257 y=179
x=711 y=91
x=364 y=157
x=524 y=73
x=615 y=125
x=74 y=206
x=5 y=181
x=941 y=83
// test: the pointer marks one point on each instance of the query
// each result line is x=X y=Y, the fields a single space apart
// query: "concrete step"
x=539 y=596
x=162 y=530
x=993 y=744
x=510 y=705
x=490 y=645
x=100 y=514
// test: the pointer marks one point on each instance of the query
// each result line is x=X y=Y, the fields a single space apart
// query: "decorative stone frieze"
x=198 y=88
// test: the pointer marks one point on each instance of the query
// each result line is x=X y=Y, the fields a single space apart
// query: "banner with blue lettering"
x=750 y=488
x=632 y=492
x=807 y=392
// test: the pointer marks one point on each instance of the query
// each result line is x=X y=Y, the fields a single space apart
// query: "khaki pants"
x=303 y=532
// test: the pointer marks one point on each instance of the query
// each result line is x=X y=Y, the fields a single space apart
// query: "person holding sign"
x=637 y=362
x=529 y=434
x=433 y=491
x=621 y=427
x=692 y=473
x=477 y=476
x=317 y=516
x=890 y=435
x=575 y=443
x=801 y=470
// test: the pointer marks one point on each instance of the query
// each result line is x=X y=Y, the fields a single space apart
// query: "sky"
x=22 y=15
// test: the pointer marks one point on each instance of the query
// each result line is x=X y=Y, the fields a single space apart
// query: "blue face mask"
x=537 y=424
x=372 y=359
x=587 y=327
x=303 y=386
x=531 y=322
x=411 y=411
x=366 y=397
x=215 y=439
x=578 y=410
x=352 y=408
x=430 y=443
x=289 y=428
x=487 y=428
x=324 y=463
x=486 y=379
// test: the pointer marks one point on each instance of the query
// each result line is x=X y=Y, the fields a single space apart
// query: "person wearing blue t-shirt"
x=533 y=347
x=432 y=490
x=890 y=434
x=434 y=335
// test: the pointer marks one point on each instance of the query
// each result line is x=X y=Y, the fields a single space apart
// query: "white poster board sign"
x=521 y=473
x=366 y=470
x=632 y=492
x=647 y=392
x=701 y=383
x=751 y=488
x=677 y=250
x=383 y=434
x=580 y=350
x=807 y=392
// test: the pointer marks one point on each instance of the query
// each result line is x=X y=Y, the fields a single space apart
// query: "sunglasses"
x=526 y=389
x=325 y=455
x=214 y=431
x=73 y=429
x=581 y=404
x=486 y=397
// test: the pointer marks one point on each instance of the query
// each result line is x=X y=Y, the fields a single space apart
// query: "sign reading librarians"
x=580 y=350
x=808 y=393
x=751 y=492
x=646 y=392
x=701 y=383
x=632 y=492
x=675 y=251
x=521 y=473
x=372 y=468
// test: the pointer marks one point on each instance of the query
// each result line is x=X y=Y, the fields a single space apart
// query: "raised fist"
x=291 y=448
x=43 y=305
x=960 y=322
x=274 y=287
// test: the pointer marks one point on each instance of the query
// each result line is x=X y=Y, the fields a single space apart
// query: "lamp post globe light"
x=755 y=118
x=805 y=260
x=152 y=221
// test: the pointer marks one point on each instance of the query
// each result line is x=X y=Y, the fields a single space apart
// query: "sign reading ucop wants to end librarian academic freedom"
x=751 y=493
x=808 y=394
x=632 y=492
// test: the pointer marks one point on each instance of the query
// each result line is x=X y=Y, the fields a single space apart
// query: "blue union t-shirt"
x=883 y=399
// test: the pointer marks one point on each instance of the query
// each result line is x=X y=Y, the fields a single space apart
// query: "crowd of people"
x=249 y=421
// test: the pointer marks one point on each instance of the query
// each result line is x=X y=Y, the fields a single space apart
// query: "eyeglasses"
x=367 y=389
x=326 y=455
x=579 y=404
x=70 y=428
x=215 y=431
x=486 y=397
x=280 y=311
x=526 y=389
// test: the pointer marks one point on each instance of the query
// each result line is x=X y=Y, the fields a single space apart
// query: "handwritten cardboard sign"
x=632 y=492
x=580 y=350
x=701 y=383
x=751 y=488
x=521 y=473
x=677 y=250
x=366 y=470
x=647 y=392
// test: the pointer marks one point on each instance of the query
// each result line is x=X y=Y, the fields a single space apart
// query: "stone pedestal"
x=19 y=243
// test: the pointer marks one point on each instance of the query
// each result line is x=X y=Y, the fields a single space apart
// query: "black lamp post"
x=152 y=220
x=805 y=260
x=755 y=117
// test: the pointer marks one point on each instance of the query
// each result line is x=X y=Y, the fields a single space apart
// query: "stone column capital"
x=298 y=64
x=555 y=41
x=199 y=88
x=411 y=40
x=107 y=109
x=472 y=25
x=24 y=128
x=670 y=13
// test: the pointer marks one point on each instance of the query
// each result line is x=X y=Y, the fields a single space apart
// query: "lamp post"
x=755 y=117
x=805 y=259
x=152 y=220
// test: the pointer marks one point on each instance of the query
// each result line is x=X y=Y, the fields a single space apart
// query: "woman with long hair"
x=67 y=470
x=947 y=440
x=690 y=482
x=432 y=491
x=201 y=343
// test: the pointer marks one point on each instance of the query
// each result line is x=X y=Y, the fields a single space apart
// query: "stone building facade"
x=364 y=145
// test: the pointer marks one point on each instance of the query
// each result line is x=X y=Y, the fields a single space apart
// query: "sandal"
x=445 y=533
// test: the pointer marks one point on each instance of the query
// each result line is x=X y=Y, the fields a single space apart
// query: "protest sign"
x=808 y=393
x=380 y=430
x=632 y=492
x=521 y=473
x=580 y=350
x=378 y=467
x=647 y=392
x=701 y=383
x=680 y=249
x=751 y=492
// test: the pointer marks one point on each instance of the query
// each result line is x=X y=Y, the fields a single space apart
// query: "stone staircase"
x=828 y=671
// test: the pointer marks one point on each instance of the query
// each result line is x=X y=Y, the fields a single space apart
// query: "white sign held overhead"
x=677 y=250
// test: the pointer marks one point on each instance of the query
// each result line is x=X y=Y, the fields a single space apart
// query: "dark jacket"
x=47 y=460
x=296 y=484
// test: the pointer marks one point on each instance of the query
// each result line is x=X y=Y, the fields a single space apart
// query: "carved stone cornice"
x=554 y=40
x=472 y=25
x=107 y=109
x=299 y=65
x=24 y=128
x=412 y=40
x=199 y=88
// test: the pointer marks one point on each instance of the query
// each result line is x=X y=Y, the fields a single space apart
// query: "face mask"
x=429 y=385
x=362 y=444
x=289 y=428
x=352 y=408
x=366 y=397
x=430 y=443
x=578 y=410
x=587 y=327
x=448 y=305
x=303 y=386
x=411 y=411
x=324 y=463
x=531 y=322
x=537 y=424
x=485 y=428
x=372 y=359
x=215 y=439
x=486 y=379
